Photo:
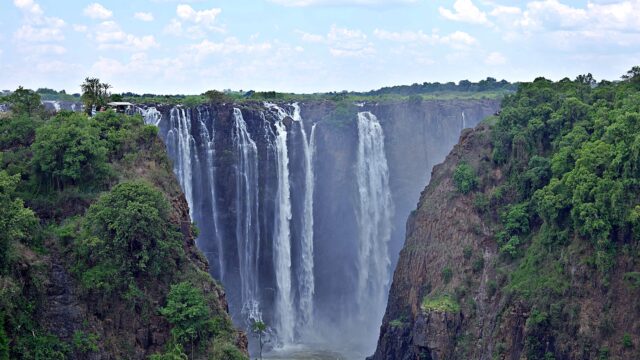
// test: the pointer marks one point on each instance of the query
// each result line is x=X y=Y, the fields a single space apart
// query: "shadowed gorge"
x=301 y=206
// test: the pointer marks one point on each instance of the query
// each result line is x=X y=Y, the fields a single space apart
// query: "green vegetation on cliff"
x=569 y=203
x=96 y=250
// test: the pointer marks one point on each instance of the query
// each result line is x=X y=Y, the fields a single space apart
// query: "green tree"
x=24 y=101
x=464 y=177
x=129 y=230
x=94 y=93
x=68 y=151
x=16 y=221
x=189 y=314
x=216 y=96
x=259 y=329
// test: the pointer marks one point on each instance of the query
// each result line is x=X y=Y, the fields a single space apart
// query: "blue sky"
x=189 y=46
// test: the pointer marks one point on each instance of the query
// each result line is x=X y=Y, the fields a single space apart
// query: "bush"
x=189 y=314
x=465 y=178
x=446 y=274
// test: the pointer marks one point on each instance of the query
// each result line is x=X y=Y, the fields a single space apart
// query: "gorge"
x=301 y=206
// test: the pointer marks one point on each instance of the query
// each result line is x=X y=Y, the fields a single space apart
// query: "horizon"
x=310 y=46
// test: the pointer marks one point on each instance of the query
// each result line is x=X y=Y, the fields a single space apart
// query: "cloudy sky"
x=189 y=46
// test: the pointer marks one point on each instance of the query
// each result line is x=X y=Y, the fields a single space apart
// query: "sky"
x=190 y=46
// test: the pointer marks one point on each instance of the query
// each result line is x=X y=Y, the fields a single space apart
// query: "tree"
x=633 y=75
x=134 y=231
x=24 y=101
x=16 y=221
x=259 y=328
x=68 y=151
x=216 y=96
x=94 y=93
x=189 y=314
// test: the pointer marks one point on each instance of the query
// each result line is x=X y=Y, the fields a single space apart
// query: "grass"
x=441 y=303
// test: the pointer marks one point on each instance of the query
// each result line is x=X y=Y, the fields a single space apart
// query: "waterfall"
x=208 y=139
x=282 y=241
x=247 y=227
x=374 y=213
x=180 y=142
x=151 y=115
x=464 y=121
x=306 y=282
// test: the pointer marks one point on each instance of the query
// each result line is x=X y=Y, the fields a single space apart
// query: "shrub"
x=627 y=343
x=446 y=274
x=443 y=303
x=465 y=178
x=467 y=252
x=189 y=314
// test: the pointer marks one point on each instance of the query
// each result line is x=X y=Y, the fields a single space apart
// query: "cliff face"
x=452 y=295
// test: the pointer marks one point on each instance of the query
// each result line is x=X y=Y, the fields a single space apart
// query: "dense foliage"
x=572 y=150
x=561 y=193
x=68 y=151
x=86 y=211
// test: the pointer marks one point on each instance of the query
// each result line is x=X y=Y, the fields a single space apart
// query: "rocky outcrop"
x=451 y=296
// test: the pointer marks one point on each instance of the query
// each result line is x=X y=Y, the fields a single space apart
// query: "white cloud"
x=495 y=58
x=205 y=17
x=109 y=35
x=230 y=45
x=46 y=49
x=193 y=23
x=404 y=36
x=465 y=11
x=607 y=23
x=457 y=39
x=302 y=3
x=79 y=28
x=143 y=16
x=345 y=42
x=97 y=11
x=310 y=38
x=31 y=33
x=29 y=6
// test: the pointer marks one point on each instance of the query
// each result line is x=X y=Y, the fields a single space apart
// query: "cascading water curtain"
x=374 y=213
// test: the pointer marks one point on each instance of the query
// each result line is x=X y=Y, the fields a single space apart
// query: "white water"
x=306 y=283
x=179 y=137
x=282 y=243
x=374 y=213
x=247 y=228
x=464 y=121
x=209 y=139
x=151 y=115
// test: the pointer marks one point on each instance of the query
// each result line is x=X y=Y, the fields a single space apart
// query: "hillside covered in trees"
x=97 y=252
x=526 y=242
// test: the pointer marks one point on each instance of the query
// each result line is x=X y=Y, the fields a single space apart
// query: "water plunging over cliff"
x=374 y=213
x=295 y=205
